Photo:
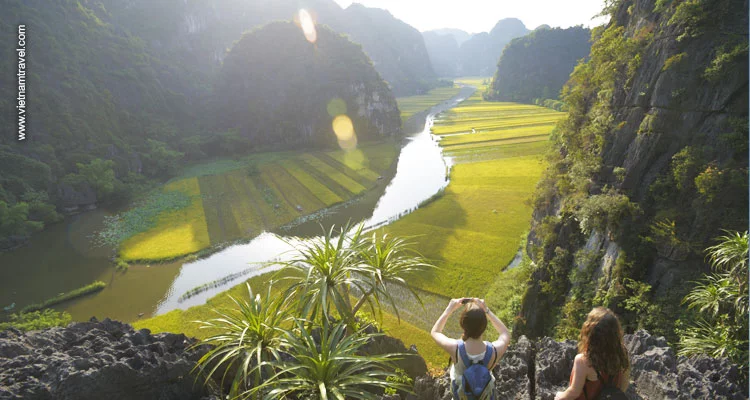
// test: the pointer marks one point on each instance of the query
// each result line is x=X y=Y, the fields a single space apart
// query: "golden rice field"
x=415 y=104
x=232 y=200
x=473 y=231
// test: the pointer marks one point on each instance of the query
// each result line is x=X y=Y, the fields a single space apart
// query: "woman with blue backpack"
x=601 y=368
x=472 y=359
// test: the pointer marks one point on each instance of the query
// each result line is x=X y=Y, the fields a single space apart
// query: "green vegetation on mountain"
x=647 y=169
x=100 y=115
x=290 y=96
x=537 y=65
x=197 y=34
x=397 y=49
x=721 y=299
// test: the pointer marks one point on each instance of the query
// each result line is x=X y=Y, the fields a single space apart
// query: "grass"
x=226 y=200
x=63 y=297
x=177 y=232
x=415 y=104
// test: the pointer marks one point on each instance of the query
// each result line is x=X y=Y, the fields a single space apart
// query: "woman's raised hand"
x=480 y=303
x=454 y=304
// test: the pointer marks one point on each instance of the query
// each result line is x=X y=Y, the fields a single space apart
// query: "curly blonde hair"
x=601 y=342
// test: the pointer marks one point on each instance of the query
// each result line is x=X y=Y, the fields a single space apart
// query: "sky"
x=476 y=16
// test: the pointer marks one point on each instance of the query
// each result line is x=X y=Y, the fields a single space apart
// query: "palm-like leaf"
x=249 y=336
x=710 y=295
x=388 y=261
x=722 y=298
x=715 y=339
x=730 y=254
x=329 y=367
x=324 y=270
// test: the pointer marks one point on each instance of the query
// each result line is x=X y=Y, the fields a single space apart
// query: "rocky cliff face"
x=98 y=360
x=649 y=167
x=537 y=370
x=109 y=359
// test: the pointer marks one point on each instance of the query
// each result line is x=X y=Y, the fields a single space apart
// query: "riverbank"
x=461 y=219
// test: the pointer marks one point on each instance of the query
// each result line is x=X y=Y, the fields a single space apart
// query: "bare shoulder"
x=581 y=361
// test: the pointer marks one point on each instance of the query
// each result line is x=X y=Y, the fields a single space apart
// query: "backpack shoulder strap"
x=461 y=348
x=489 y=353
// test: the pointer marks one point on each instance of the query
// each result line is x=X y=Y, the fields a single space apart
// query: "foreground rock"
x=97 y=360
x=657 y=373
x=110 y=360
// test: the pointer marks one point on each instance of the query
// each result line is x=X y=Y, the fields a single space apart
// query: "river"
x=63 y=258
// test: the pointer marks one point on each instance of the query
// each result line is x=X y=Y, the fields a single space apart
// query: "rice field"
x=176 y=233
x=474 y=230
x=415 y=104
x=239 y=199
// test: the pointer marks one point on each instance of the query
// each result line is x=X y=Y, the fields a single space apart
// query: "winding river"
x=62 y=258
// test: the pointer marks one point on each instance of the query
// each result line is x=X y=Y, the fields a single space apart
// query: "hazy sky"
x=481 y=15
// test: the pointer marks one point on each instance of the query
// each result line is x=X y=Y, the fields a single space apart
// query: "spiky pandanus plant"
x=323 y=271
x=326 y=364
x=248 y=337
x=386 y=261
x=722 y=300
x=328 y=271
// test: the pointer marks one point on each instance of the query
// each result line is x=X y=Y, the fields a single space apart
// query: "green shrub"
x=34 y=320
x=605 y=211
x=721 y=300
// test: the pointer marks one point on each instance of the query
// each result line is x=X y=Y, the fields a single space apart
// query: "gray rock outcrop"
x=656 y=373
x=98 y=360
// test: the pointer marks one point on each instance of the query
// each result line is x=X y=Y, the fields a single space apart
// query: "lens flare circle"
x=344 y=130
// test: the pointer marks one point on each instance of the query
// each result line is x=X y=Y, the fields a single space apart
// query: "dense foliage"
x=650 y=166
x=293 y=95
x=100 y=114
x=537 y=65
x=721 y=298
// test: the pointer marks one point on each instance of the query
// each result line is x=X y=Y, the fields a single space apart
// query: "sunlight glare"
x=308 y=25
x=344 y=130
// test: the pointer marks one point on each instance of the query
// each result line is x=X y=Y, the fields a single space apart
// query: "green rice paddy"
x=415 y=104
x=239 y=199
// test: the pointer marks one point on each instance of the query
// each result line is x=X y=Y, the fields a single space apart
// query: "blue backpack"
x=477 y=381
